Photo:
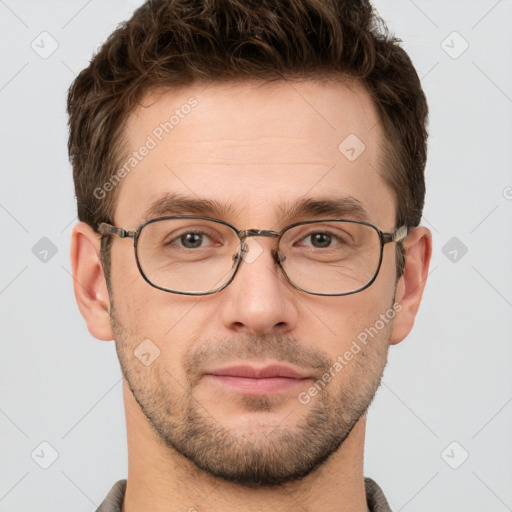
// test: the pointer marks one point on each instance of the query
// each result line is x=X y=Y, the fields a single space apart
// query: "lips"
x=272 y=371
x=248 y=380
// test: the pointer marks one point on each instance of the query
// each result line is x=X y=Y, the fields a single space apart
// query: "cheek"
x=349 y=319
x=128 y=287
x=143 y=312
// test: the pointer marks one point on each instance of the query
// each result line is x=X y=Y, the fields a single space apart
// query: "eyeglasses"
x=194 y=255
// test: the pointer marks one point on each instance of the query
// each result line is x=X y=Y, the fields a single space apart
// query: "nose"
x=259 y=300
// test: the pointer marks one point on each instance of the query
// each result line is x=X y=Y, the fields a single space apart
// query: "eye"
x=324 y=240
x=320 y=240
x=191 y=240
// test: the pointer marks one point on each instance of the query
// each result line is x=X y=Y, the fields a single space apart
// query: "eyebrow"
x=338 y=207
x=178 y=204
x=305 y=208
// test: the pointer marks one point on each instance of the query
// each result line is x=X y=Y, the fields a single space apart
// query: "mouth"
x=250 y=380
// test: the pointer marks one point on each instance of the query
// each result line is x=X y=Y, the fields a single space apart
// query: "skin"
x=251 y=148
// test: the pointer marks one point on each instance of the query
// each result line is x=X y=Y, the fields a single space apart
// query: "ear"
x=418 y=251
x=89 y=281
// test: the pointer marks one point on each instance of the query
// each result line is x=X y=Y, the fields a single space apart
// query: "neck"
x=160 y=479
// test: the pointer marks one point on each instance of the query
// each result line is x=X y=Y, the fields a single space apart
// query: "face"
x=250 y=153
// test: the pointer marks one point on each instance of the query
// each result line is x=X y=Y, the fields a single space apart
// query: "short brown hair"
x=177 y=42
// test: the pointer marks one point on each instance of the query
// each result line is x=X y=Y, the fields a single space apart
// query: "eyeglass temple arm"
x=397 y=236
x=108 y=229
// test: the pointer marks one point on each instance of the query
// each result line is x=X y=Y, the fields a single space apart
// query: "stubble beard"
x=259 y=456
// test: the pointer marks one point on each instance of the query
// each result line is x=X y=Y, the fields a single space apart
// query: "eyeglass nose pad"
x=279 y=257
x=242 y=249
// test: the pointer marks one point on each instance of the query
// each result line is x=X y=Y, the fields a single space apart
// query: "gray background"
x=450 y=382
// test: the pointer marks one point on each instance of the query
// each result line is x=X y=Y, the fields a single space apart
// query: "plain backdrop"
x=439 y=433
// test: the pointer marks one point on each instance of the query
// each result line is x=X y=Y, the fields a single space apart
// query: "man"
x=266 y=161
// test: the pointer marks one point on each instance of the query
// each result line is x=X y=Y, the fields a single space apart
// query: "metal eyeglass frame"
x=399 y=235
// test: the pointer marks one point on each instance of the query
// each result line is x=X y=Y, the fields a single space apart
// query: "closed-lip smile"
x=248 y=379
x=274 y=370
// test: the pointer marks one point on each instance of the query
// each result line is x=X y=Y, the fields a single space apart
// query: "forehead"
x=255 y=148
